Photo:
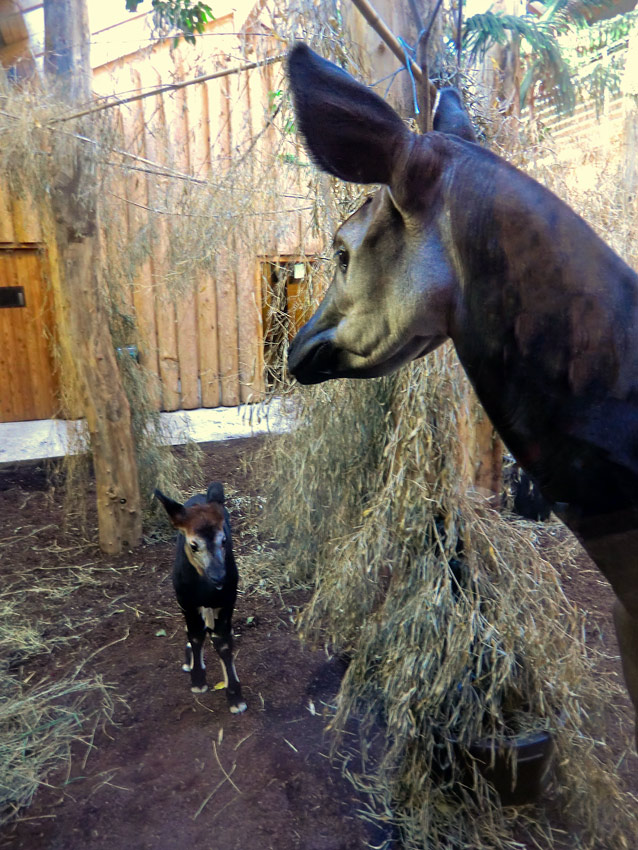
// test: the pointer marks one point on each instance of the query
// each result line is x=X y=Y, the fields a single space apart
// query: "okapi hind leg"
x=627 y=634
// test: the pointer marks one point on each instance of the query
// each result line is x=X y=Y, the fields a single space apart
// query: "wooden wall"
x=204 y=345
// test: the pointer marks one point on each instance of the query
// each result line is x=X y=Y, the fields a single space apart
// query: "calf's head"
x=394 y=290
x=204 y=538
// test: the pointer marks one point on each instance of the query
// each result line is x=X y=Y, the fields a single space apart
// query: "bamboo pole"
x=385 y=33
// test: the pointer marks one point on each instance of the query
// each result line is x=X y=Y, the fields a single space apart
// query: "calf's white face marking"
x=198 y=549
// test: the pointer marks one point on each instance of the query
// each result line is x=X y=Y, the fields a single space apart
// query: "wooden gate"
x=28 y=386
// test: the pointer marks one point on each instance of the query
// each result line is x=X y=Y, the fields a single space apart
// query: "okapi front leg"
x=194 y=663
x=222 y=639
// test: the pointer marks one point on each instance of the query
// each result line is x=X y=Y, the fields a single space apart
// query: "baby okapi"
x=205 y=582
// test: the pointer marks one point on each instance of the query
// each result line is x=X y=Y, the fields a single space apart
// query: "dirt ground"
x=174 y=769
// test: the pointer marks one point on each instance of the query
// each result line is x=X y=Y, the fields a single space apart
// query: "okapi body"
x=205 y=581
x=458 y=244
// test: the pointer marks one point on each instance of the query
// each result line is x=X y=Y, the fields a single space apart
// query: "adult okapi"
x=543 y=315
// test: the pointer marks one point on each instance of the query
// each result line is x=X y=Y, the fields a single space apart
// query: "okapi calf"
x=205 y=581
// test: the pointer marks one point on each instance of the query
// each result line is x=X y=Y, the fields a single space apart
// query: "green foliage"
x=588 y=63
x=182 y=15
x=544 y=56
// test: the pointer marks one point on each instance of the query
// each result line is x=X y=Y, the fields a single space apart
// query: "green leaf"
x=160 y=633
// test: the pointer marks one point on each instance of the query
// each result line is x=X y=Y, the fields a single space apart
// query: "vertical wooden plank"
x=7 y=233
x=185 y=310
x=248 y=305
x=226 y=291
x=26 y=219
x=137 y=195
x=200 y=158
x=155 y=143
x=254 y=322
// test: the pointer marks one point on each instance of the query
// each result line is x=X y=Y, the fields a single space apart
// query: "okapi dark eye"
x=194 y=547
x=343 y=258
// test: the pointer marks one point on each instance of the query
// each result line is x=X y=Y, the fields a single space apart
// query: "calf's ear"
x=451 y=117
x=215 y=492
x=175 y=510
x=349 y=130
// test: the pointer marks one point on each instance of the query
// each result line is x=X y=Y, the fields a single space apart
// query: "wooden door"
x=28 y=386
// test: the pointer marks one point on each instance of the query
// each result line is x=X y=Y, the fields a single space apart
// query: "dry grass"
x=38 y=725
x=455 y=626
x=39 y=721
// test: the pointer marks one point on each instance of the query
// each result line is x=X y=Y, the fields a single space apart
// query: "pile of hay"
x=41 y=720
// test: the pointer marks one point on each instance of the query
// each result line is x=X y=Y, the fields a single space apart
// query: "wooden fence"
x=206 y=347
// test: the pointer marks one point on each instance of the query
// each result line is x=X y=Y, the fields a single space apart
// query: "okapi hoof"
x=199 y=689
x=238 y=708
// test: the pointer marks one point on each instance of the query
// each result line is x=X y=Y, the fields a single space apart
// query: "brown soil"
x=177 y=770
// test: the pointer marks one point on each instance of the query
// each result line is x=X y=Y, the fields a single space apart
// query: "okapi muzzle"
x=458 y=244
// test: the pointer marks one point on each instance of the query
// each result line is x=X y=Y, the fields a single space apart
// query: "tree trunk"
x=84 y=318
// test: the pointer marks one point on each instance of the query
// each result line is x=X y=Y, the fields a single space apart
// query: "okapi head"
x=456 y=243
x=392 y=296
x=459 y=244
x=204 y=535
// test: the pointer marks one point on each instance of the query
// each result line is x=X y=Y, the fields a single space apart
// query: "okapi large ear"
x=175 y=510
x=215 y=492
x=349 y=130
x=451 y=117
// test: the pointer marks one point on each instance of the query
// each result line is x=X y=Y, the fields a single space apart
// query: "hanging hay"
x=456 y=628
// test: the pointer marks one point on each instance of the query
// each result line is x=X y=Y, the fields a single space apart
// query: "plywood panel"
x=28 y=388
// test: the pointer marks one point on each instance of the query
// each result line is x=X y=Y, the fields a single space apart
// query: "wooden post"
x=84 y=319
